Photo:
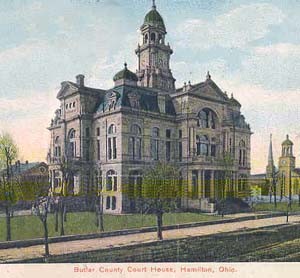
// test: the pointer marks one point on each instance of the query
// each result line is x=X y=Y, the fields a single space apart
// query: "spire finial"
x=208 y=76
x=287 y=137
x=125 y=65
x=153 y=4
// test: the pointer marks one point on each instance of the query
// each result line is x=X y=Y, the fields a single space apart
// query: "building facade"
x=108 y=138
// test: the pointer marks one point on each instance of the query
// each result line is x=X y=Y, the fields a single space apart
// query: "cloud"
x=275 y=67
x=234 y=29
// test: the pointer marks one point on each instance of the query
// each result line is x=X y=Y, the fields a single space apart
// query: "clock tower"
x=154 y=54
x=286 y=166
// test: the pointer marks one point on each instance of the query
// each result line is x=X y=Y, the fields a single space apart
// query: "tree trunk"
x=56 y=218
x=62 y=229
x=8 y=227
x=159 y=215
x=299 y=199
x=275 y=197
x=47 y=253
x=100 y=215
x=65 y=212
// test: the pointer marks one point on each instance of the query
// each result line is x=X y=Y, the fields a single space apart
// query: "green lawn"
x=25 y=227
x=281 y=206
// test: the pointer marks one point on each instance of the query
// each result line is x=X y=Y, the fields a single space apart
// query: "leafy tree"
x=8 y=192
x=160 y=190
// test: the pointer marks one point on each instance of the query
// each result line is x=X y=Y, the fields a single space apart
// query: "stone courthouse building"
x=110 y=137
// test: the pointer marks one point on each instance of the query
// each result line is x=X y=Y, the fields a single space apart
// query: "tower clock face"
x=283 y=162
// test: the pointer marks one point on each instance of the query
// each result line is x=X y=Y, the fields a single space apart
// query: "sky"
x=251 y=48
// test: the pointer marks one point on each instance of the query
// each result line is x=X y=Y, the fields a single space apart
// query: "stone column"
x=212 y=184
x=200 y=184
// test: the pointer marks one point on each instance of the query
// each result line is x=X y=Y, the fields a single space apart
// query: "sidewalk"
x=16 y=254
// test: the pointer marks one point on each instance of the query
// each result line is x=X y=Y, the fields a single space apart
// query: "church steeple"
x=154 y=54
x=270 y=167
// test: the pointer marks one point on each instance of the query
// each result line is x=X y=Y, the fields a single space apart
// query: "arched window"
x=155 y=143
x=112 y=129
x=153 y=37
x=207 y=118
x=112 y=142
x=135 y=143
x=242 y=153
x=57 y=147
x=111 y=181
x=146 y=39
x=71 y=150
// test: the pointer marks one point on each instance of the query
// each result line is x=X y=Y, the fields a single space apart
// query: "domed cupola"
x=153 y=18
x=125 y=77
x=287 y=142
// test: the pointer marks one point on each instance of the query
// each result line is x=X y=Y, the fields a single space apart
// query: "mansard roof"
x=147 y=99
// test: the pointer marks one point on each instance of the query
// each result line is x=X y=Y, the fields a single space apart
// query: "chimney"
x=80 y=80
x=26 y=162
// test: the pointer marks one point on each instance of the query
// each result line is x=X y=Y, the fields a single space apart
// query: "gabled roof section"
x=68 y=88
x=208 y=89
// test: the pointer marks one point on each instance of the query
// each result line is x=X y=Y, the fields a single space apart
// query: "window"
x=98 y=131
x=98 y=181
x=112 y=142
x=111 y=181
x=112 y=129
x=113 y=202
x=194 y=184
x=67 y=106
x=180 y=151
x=135 y=143
x=180 y=133
x=153 y=37
x=107 y=202
x=168 y=133
x=202 y=145
x=155 y=144
x=98 y=150
x=213 y=148
x=74 y=104
x=242 y=153
x=57 y=148
x=207 y=118
x=168 y=150
x=168 y=145
x=71 y=150
x=146 y=38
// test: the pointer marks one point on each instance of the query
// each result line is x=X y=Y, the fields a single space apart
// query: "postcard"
x=149 y=138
